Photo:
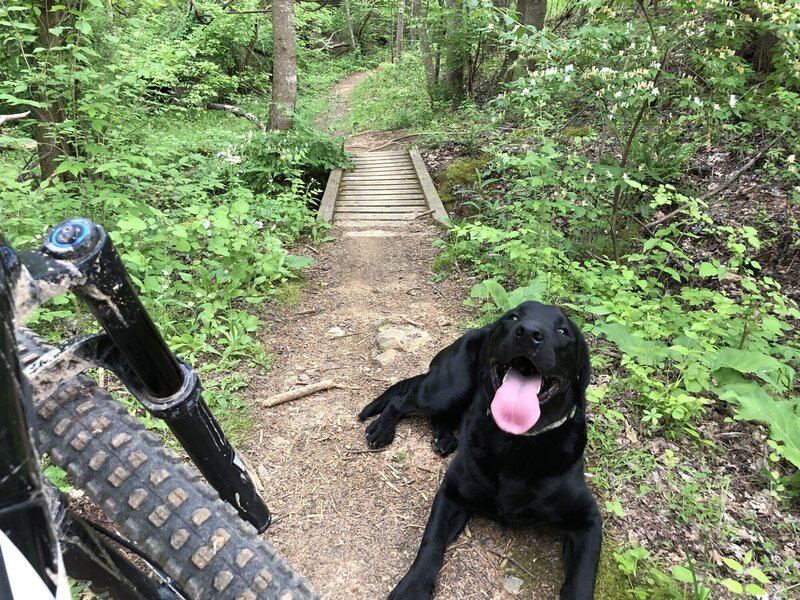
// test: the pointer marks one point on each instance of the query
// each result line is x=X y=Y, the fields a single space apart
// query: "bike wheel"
x=159 y=502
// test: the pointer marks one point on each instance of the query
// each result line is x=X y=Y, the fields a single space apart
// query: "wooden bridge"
x=382 y=189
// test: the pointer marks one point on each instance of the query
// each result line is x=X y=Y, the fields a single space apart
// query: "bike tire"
x=159 y=502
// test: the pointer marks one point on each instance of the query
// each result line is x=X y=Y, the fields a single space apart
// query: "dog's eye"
x=513 y=317
x=562 y=331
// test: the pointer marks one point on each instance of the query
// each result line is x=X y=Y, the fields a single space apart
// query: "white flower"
x=525 y=91
x=716 y=107
x=790 y=159
x=569 y=68
x=567 y=78
x=732 y=100
x=618 y=93
x=655 y=91
x=206 y=223
x=198 y=295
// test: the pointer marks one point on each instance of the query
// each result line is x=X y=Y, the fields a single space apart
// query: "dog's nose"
x=532 y=331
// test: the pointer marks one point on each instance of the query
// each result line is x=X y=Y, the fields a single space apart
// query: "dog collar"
x=552 y=426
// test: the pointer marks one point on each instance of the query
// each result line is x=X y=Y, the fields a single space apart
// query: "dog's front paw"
x=445 y=443
x=412 y=588
x=380 y=432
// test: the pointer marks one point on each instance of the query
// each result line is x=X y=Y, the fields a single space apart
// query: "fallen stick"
x=423 y=214
x=298 y=393
x=402 y=137
x=411 y=322
x=733 y=178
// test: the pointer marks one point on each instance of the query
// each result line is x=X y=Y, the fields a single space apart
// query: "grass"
x=394 y=97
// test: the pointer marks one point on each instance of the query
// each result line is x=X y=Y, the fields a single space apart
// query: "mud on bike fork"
x=196 y=545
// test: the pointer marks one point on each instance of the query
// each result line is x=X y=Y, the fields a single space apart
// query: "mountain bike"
x=168 y=533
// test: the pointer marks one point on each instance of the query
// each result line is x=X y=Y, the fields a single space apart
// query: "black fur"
x=509 y=478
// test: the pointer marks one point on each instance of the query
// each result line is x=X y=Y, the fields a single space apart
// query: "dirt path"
x=351 y=519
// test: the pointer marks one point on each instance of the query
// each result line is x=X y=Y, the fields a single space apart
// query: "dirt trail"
x=350 y=519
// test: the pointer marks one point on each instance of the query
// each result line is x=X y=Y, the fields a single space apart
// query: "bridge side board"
x=329 y=196
x=429 y=189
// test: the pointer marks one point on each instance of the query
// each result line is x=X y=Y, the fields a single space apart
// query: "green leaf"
x=782 y=416
x=535 y=290
x=491 y=289
x=682 y=574
x=733 y=586
x=754 y=590
x=708 y=270
x=83 y=26
x=758 y=575
x=746 y=361
x=645 y=351
x=58 y=477
x=131 y=223
x=298 y=262
x=614 y=507
x=766 y=367
x=733 y=565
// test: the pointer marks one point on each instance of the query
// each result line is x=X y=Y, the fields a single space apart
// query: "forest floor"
x=348 y=518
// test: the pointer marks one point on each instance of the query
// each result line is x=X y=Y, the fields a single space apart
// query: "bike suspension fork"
x=167 y=387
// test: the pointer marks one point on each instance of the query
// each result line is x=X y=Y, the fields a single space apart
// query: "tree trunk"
x=454 y=52
x=401 y=7
x=349 y=19
x=284 y=66
x=421 y=27
x=531 y=13
x=51 y=146
x=416 y=7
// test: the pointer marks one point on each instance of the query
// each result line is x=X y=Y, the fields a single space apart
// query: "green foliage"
x=682 y=581
x=392 y=98
x=200 y=204
x=58 y=477
x=303 y=156
x=501 y=300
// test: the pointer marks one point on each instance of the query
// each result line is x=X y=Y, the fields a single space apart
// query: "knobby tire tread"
x=157 y=501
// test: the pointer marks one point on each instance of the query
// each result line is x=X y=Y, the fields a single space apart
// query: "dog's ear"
x=584 y=363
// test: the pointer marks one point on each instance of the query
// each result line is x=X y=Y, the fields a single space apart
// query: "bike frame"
x=78 y=256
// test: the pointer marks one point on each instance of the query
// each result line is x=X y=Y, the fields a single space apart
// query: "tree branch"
x=235 y=110
x=14 y=117
x=722 y=186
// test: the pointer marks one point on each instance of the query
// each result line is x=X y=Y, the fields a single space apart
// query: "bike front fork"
x=78 y=255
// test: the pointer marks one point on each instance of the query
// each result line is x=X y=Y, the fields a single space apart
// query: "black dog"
x=516 y=392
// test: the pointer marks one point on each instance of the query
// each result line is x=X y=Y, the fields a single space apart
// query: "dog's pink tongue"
x=515 y=407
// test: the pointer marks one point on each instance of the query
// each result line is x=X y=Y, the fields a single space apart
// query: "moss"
x=543 y=574
x=611 y=583
x=460 y=173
